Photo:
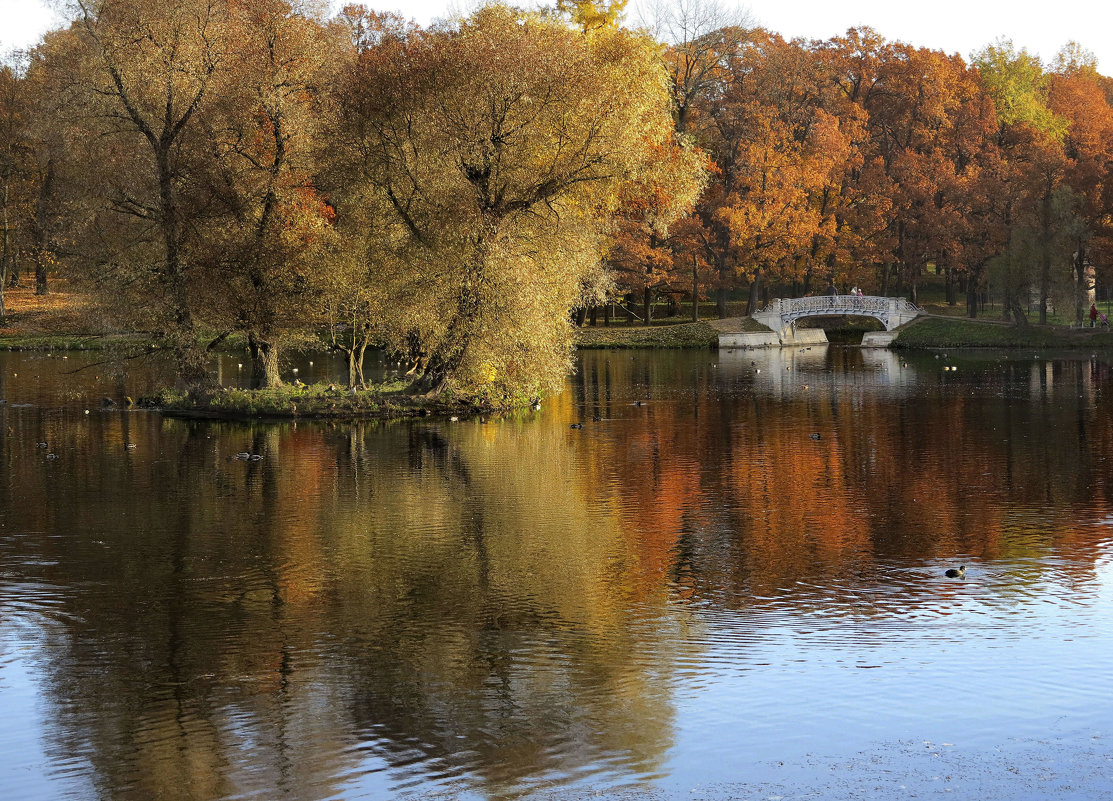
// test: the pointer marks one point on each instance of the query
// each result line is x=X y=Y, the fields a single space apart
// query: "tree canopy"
x=458 y=194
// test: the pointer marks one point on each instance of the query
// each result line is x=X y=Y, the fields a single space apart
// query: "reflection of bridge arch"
x=784 y=372
x=780 y=314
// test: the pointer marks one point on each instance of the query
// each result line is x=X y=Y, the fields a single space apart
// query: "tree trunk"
x=721 y=302
x=353 y=365
x=1045 y=252
x=1082 y=288
x=42 y=229
x=647 y=305
x=191 y=359
x=5 y=249
x=608 y=312
x=264 y=363
x=973 y=290
x=41 y=286
x=446 y=360
x=757 y=290
x=1014 y=310
x=695 y=289
x=360 y=352
x=437 y=376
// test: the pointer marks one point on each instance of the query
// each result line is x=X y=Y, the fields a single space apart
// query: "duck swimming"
x=960 y=573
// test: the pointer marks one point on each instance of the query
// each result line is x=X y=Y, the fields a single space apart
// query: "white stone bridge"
x=782 y=314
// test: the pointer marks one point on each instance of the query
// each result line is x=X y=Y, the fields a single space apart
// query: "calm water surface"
x=729 y=585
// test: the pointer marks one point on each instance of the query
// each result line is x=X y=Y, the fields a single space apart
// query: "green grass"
x=993 y=312
x=681 y=335
x=934 y=332
x=68 y=341
x=384 y=401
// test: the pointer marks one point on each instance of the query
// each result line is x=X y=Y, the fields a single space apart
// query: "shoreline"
x=927 y=332
x=53 y=330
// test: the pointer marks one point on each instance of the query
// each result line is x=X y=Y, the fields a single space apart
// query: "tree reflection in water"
x=511 y=604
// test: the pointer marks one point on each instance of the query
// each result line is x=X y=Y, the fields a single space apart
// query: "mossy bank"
x=382 y=401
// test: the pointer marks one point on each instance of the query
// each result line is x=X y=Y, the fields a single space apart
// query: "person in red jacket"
x=1093 y=314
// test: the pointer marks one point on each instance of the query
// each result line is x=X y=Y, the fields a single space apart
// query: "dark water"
x=691 y=597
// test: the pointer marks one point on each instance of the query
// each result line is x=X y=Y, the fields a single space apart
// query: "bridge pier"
x=771 y=316
x=772 y=339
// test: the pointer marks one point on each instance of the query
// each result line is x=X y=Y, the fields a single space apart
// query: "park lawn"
x=937 y=332
x=680 y=335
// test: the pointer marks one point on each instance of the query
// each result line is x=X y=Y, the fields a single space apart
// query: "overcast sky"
x=956 y=26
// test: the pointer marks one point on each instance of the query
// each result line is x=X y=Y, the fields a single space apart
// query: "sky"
x=955 y=26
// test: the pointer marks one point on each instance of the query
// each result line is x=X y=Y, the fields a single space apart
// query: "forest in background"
x=463 y=194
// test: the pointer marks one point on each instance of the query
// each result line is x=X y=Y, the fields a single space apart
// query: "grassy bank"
x=92 y=342
x=382 y=401
x=682 y=335
x=936 y=332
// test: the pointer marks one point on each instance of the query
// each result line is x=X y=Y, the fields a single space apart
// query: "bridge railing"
x=839 y=304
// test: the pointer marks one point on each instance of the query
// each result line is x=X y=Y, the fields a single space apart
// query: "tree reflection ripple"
x=691 y=591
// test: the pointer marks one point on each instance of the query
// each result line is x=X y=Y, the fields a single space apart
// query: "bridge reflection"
x=780 y=371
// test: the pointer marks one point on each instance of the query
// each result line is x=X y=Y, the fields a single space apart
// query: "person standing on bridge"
x=832 y=292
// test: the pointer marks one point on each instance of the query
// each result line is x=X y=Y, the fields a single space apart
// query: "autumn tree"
x=267 y=225
x=643 y=252
x=701 y=37
x=1079 y=95
x=1031 y=137
x=188 y=136
x=127 y=81
x=13 y=159
x=592 y=15
x=926 y=127
x=779 y=158
x=502 y=143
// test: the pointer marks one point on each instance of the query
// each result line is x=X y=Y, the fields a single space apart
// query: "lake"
x=729 y=583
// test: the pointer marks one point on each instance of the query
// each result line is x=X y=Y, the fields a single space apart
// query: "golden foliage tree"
x=502 y=144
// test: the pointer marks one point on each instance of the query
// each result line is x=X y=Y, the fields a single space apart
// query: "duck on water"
x=960 y=573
